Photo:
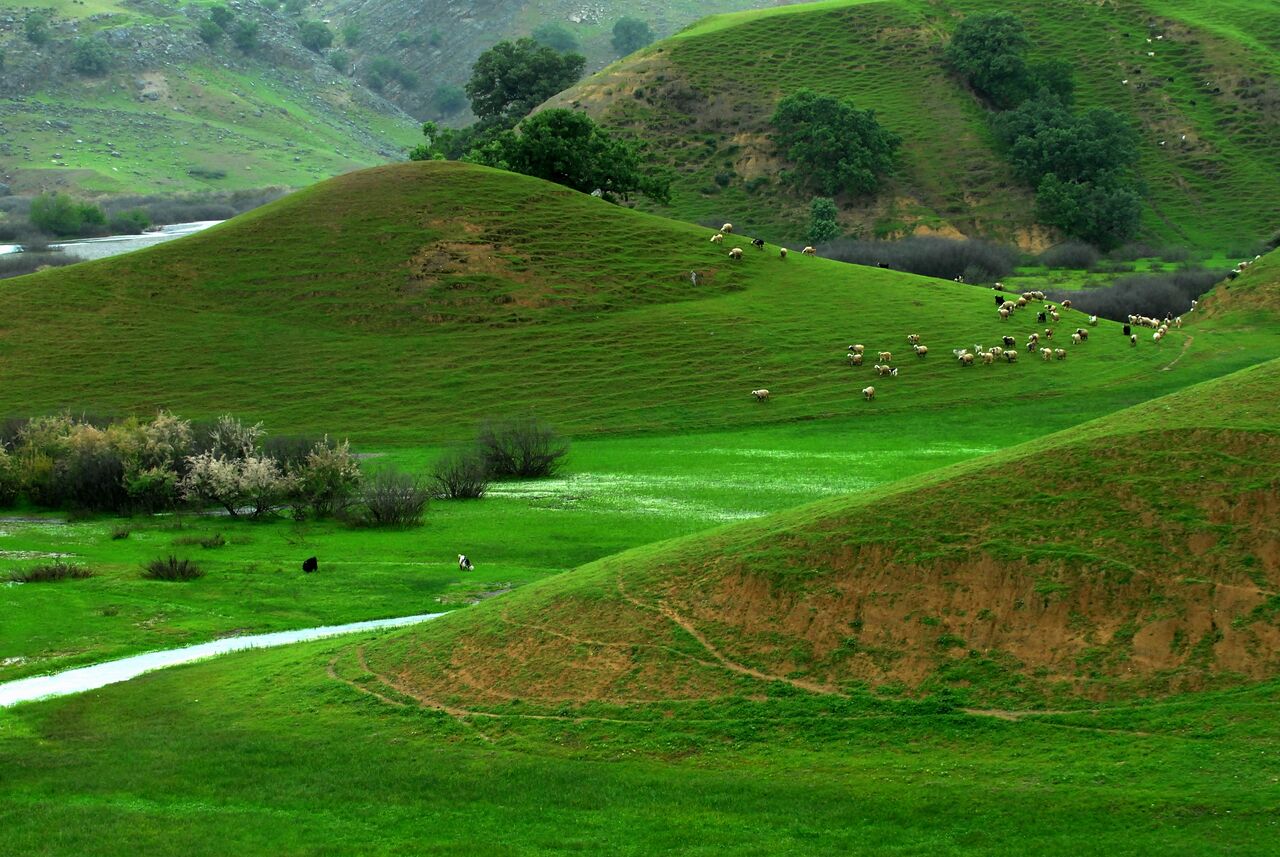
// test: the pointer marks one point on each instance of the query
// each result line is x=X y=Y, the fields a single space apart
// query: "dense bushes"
x=172 y=568
x=50 y=573
x=460 y=474
x=90 y=57
x=1152 y=295
x=392 y=498
x=823 y=225
x=1070 y=254
x=977 y=261
x=520 y=448
x=59 y=214
x=836 y=147
x=987 y=49
x=630 y=35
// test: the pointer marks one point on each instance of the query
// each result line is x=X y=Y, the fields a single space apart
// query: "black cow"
x=310 y=564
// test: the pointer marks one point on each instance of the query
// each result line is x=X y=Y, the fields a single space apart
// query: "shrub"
x=823 y=225
x=120 y=533
x=222 y=17
x=315 y=36
x=392 y=498
x=91 y=476
x=556 y=36
x=228 y=437
x=1102 y=212
x=50 y=573
x=1152 y=295
x=449 y=99
x=9 y=482
x=290 y=451
x=21 y=264
x=1070 y=254
x=340 y=61
x=987 y=49
x=837 y=147
x=351 y=34
x=36 y=27
x=326 y=481
x=930 y=256
x=209 y=32
x=460 y=474
x=244 y=35
x=630 y=35
x=90 y=57
x=253 y=483
x=132 y=222
x=521 y=448
x=59 y=214
x=172 y=568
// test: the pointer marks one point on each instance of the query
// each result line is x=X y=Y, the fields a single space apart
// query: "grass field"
x=703 y=98
x=776 y=679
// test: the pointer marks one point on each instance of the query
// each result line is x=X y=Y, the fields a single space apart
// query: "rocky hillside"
x=1200 y=82
x=157 y=108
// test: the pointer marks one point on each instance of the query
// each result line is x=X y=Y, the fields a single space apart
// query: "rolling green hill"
x=1134 y=555
x=407 y=302
x=704 y=97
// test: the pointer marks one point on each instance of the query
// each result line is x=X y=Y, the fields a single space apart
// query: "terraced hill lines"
x=1137 y=554
x=408 y=302
x=704 y=98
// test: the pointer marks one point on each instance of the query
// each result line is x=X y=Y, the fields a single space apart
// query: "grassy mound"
x=1133 y=555
x=704 y=97
x=408 y=302
x=1251 y=298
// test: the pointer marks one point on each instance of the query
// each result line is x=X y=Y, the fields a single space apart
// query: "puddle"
x=99 y=675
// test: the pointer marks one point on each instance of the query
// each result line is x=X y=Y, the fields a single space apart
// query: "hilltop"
x=412 y=300
x=1208 y=91
x=1132 y=555
x=168 y=112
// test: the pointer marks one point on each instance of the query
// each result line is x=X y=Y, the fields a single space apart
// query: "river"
x=114 y=245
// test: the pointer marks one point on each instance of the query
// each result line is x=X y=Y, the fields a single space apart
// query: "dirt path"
x=1185 y=345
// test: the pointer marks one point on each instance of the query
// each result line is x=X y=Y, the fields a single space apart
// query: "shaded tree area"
x=836 y=147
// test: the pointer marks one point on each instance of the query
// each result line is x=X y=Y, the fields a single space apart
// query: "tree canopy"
x=556 y=36
x=315 y=35
x=837 y=147
x=630 y=35
x=569 y=148
x=512 y=78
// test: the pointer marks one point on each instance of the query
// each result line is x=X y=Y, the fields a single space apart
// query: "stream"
x=113 y=245
x=80 y=679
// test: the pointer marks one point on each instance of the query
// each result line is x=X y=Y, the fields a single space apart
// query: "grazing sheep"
x=858 y=348
x=885 y=356
x=464 y=564
x=922 y=351
x=1046 y=354
x=1128 y=327
x=965 y=358
x=310 y=564
x=1004 y=314
x=727 y=228
x=808 y=251
x=882 y=370
x=1053 y=314
x=1040 y=317
x=913 y=338
x=1009 y=305
x=1048 y=333
x=782 y=252
x=1033 y=337
x=757 y=243
x=988 y=358
x=868 y=393
x=1157 y=336
x=1075 y=339
x=761 y=395
x=1177 y=322
x=855 y=358
x=1066 y=304
x=1020 y=303
x=1084 y=334
x=1093 y=321
x=1133 y=339
x=997 y=351
x=735 y=253
x=1060 y=353
x=717 y=238
x=1011 y=356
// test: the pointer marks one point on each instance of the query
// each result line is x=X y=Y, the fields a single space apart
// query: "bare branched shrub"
x=392 y=498
x=1153 y=295
x=460 y=474
x=521 y=448
x=1070 y=254
x=976 y=260
x=171 y=568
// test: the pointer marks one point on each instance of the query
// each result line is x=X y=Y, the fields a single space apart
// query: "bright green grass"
x=887 y=56
x=351 y=296
x=265 y=753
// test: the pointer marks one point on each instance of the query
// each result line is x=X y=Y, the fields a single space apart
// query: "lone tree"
x=315 y=36
x=838 y=148
x=512 y=78
x=91 y=57
x=568 y=148
x=630 y=35
x=556 y=36
x=823 y=226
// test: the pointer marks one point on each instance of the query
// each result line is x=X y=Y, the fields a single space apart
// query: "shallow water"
x=114 y=245
x=99 y=675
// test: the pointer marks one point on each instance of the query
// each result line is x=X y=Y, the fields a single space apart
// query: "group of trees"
x=221 y=21
x=62 y=216
x=1083 y=166
x=837 y=147
x=507 y=82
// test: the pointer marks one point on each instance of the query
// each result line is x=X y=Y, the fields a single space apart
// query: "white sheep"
x=717 y=238
x=1075 y=339
x=965 y=358
x=735 y=253
x=987 y=358
x=857 y=348
x=1004 y=314
x=1093 y=321
x=913 y=338
x=727 y=228
x=868 y=393
x=1046 y=354
x=1011 y=356
x=1060 y=353
x=808 y=251
x=782 y=252
x=855 y=358
x=1133 y=339
x=760 y=395
x=1066 y=304
x=884 y=356
x=922 y=351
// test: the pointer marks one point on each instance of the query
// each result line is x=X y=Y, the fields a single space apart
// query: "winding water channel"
x=81 y=679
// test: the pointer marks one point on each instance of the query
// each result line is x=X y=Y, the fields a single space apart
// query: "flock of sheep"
x=1005 y=309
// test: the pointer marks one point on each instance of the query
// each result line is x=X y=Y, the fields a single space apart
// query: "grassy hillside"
x=704 y=98
x=407 y=302
x=1136 y=554
x=174 y=114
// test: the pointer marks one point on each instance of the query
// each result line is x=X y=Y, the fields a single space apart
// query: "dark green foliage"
x=451 y=144
x=120 y=533
x=987 y=49
x=449 y=99
x=210 y=33
x=521 y=448
x=222 y=17
x=392 y=498
x=172 y=568
x=131 y=222
x=630 y=35
x=36 y=28
x=460 y=474
x=90 y=57
x=836 y=147
x=244 y=35
x=556 y=36
x=1070 y=254
x=59 y=214
x=339 y=61
x=823 y=225
x=512 y=78
x=383 y=69
x=50 y=573
x=1 y=59
x=931 y=256
x=569 y=148
x=294 y=7
x=351 y=34
x=315 y=35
